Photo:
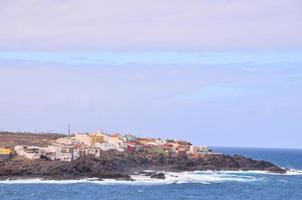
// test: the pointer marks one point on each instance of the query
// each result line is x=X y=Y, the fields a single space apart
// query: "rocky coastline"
x=120 y=166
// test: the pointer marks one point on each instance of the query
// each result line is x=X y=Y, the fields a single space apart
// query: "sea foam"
x=201 y=177
x=294 y=172
x=207 y=177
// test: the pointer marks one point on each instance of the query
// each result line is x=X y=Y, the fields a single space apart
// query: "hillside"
x=11 y=139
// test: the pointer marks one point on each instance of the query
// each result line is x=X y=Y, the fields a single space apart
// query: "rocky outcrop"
x=119 y=166
x=159 y=175
x=152 y=174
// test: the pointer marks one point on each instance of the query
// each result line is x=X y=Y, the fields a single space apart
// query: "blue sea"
x=187 y=185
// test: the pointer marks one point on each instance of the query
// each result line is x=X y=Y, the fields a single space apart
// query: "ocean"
x=228 y=185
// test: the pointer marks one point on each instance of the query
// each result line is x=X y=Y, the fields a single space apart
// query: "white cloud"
x=141 y=24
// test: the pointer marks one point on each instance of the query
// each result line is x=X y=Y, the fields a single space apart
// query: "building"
x=84 y=139
x=53 y=152
x=134 y=146
x=106 y=146
x=115 y=139
x=76 y=154
x=5 y=153
x=96 y=138
x=144 y=141
x=153 y=148
x=30 y=152
x=168 y=148
x=160 y=142
x=129 y=138
x=49 y=152
x=181 y=142
x=90 y=152
x=201 y=149
x=183 y=148
x=67 y=157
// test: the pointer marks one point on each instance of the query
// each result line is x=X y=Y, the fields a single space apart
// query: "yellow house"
x=146 y=140
x=6 y=151
x=96 y=138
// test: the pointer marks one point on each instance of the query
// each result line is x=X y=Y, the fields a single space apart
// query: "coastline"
x=141 y=155
x=121 y=166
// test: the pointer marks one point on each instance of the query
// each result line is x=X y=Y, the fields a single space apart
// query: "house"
x=95 y=138
x=201 y=149
x=168 y=148
x=49 y=152
x=129 y=138
x=66 y=157
x=134 y=146
x=76 y=154
x=153 y=148
x=181 y=142
x=30 y=152
x=183 y=148
x=105 y=146
x=173 y=143
x=115 y=139
x=131 y=147
x=144 y=141
x=170 y=141
x=83 y=139
x=5 y=153
x=160 y=142
x=91 y=152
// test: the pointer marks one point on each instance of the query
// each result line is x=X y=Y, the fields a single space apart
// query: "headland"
x=110 y=156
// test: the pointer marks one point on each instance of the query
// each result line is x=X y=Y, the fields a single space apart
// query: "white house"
x=67 y=157
x=105 y=146
x=30 y=152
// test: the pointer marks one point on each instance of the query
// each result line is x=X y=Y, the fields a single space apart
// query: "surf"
x=200 y=177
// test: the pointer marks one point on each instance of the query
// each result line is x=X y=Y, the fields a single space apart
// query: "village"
x=79 y=145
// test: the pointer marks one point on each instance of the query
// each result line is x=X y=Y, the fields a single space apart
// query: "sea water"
x=186 y=185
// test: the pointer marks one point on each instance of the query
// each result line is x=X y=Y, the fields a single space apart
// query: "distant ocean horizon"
x=226 y=185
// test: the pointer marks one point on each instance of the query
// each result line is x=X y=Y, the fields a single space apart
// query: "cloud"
x=147 y=24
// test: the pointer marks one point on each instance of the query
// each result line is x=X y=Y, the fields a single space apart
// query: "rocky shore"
x=120 y=166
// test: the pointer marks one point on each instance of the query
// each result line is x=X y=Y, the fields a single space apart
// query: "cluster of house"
x=93 y=144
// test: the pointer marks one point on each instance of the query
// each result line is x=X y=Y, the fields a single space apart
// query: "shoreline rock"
x=118 y=166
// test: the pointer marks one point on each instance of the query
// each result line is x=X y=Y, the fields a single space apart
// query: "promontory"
x=113 y=156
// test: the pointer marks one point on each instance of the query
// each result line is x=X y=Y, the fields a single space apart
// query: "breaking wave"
x=205 y=177
x=294 y=172
x=201 y=177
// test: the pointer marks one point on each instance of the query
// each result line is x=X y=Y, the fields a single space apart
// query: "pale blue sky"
x=223 y=73
x=247 y=101
x=161 y=57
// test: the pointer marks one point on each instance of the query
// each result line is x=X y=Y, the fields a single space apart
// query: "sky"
x=217 y=73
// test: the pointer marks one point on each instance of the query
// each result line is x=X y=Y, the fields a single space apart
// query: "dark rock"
x=119 y=166
x=158 y=175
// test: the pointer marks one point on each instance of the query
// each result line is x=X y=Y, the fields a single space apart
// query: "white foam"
x=294 y=172
x=171 y=178
x=202 y=177
x=207 y=177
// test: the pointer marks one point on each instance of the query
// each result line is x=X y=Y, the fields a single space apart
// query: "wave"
x=201 y=177
x=294 y=172
x=206 y=177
